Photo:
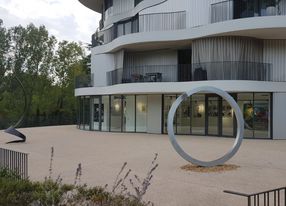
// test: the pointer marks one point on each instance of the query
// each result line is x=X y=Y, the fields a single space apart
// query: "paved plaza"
x=262 y=163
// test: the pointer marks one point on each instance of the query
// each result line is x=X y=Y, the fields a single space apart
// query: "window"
x=141 y=113
x=106 y=111
x=256 y=112
x=128 y=114
x=126 y=27
x=116 y=113
x=136 y=2
x=247 y=8
x=108 y=4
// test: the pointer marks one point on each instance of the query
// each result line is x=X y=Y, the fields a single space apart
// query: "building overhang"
x=180 y=87
x=95 y=5
x=271 y=27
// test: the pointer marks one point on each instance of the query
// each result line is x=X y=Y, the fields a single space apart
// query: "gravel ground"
x=262 y=163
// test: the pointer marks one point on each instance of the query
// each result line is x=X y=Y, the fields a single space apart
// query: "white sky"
x=65 y=19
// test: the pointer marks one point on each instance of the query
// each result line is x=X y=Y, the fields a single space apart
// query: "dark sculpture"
x=12 y=129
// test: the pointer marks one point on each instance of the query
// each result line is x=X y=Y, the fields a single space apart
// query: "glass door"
x=198 y=114
x=227 y=119
x=213 y=115
x=96 y=118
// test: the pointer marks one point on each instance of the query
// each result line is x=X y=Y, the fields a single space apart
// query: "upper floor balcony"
x=141 y=23
x=192 y=72
x=83 y=81
x=236 y=9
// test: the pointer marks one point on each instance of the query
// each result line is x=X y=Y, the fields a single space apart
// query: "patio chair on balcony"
x=153 y=77
x=137 y=78
x=200 y=74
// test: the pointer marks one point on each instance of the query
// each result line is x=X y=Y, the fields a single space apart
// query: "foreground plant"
x=138 y=185
x=53 y=192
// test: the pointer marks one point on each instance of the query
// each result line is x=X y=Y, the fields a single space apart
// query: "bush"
x=15 y=191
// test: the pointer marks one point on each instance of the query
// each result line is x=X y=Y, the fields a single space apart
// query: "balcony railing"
x=192 y=72
x=84 y=81
x=163 y=21
x=271 y=197
x=142 y=23
x=236 y=9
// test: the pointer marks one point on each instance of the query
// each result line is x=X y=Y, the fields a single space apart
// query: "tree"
x=47 y=70
x=68 y=63
x=32 y=54
x=4 y=47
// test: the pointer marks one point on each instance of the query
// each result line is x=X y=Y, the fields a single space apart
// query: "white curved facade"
x=147 y=52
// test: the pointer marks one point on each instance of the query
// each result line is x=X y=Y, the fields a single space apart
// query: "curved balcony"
x=231 y=70
x=142 y=23
x=237 y=9
x=83 y=81
x=95 y=5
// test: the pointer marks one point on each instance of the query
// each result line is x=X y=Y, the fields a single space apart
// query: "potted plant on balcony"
x=273 y=8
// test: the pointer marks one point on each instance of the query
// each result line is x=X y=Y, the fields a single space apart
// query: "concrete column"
x=279 y=115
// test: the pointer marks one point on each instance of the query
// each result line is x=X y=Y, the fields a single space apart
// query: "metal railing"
x=14 y=161
x=192 y=72
x=221 y=11
x=230 y=9
x=275 y=197
x=143 y=23
x=163 y=21
x=84 y=81
x=232 y=70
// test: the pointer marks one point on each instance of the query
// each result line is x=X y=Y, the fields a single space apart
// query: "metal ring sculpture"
x=12 y=129
x=240 y=127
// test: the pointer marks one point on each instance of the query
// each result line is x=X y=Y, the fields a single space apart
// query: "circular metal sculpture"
x=240 y=126
x=12 y=129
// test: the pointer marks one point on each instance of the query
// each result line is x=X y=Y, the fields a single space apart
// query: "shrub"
x=23 y=192
x=15 y=191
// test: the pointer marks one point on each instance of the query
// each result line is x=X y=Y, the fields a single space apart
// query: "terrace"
x=261 y=162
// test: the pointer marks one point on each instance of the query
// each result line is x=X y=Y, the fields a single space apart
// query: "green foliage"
x=19 y=192
x=47 y=69
x=15 y=191
x=6 y=173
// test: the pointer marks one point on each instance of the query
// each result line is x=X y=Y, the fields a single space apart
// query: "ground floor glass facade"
x=201 y=114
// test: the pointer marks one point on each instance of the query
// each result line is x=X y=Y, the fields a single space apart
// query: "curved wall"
x=273 y=27
x=127 y=10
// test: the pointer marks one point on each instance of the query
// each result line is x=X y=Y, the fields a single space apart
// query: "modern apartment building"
x=147 y=52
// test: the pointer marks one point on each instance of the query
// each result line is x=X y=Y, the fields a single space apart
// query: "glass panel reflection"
x=261 y=119
x=129 y=114
x=116 y=111
x=245 y=102
x=168 y=102
x=213 y=115
x=198 y=114
x=141 y=113
x=96 y=114
x=184 y=117
x=105 y=110
x=227 y=119
x=86 y=113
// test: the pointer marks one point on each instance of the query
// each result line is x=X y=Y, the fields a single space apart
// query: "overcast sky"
x=66 y=19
